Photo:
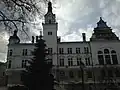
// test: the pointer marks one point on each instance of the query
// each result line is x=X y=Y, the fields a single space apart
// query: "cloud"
x=77 y=16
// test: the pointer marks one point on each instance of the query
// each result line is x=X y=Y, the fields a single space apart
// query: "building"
x=90 y=65
x=3 y=77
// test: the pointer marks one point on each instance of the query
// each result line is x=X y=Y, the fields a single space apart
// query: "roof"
x=23 y=44
x=74 y=42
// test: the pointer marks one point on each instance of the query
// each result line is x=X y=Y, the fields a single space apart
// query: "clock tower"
x=50 y=27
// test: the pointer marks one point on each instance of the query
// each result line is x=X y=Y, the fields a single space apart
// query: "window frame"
x=24 y=52
x=69 y=50
x=78 y=61
x=49 y=33
x=70 y=62
x=50 y=50
x=61 y=50
x=61 y=63
x=78 y=50
x=86 y=50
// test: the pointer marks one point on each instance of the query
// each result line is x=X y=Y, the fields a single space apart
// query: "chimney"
x=58 y=39
x=84 y=37
x=36 y=38
x=32 y=39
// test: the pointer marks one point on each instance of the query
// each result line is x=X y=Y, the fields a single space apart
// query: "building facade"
x=87 y=65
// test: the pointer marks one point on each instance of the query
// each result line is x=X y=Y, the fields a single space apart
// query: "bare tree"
x=19 y=14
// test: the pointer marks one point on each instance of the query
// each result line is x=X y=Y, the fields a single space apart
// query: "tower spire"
x=49 y=6
x=102 y=24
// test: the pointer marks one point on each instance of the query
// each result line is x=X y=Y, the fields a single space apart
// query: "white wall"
x=17 y=56
x=101 y=45
x=73 y=45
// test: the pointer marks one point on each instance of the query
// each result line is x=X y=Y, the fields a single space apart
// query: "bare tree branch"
x=19 y=13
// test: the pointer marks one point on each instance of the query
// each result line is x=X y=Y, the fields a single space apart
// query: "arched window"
x=107 y=56
x=107 y=59
x=9 y=64
x=100 y=52
x=106 y=51
x=114 y=57
x=113 y=52
x=100 y=58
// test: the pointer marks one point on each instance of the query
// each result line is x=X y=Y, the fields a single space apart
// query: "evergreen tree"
x=37 y=75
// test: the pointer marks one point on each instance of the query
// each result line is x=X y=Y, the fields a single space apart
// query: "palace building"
x=88 y=65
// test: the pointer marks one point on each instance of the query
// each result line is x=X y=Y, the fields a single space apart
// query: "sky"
x=75 y=17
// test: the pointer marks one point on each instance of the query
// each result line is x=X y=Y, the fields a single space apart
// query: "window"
x=87 y=60
x=62 y=62
x=49 y=61
x=86 y=50
x=49 y=50
x=10 y=52
x=24 y=52
x=79 y=74
x=78 y=61
x=89 y=74
x=101 y=59
x=103 y=74
x=107 y=59
x=71 y=74
x=100 y=52
x=114 y=57
x=106 y=51
x=107 y=56
x=69 y=50
x=9 y=64
x=62 y=73
x=70 y=62
x=24 y=63
x=110 y=73
x=49 y=33
x=117 y=73
x=49 y=21
x=78 y=50
x=61 y=50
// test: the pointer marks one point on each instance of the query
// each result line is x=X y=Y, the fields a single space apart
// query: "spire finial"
x=100 y=18
x=101 y=23
x=15 y=33
x=49 y=6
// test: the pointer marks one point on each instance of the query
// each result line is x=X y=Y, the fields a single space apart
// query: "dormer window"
x=49 y=33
